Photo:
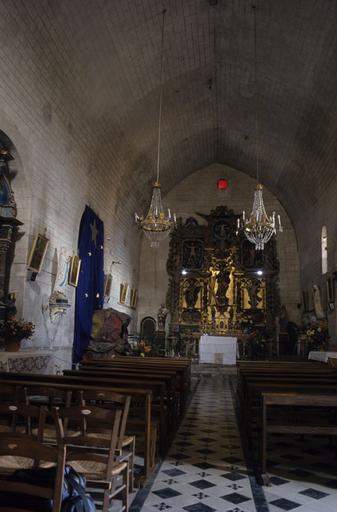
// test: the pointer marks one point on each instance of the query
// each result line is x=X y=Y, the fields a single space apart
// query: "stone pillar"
x=159 y=343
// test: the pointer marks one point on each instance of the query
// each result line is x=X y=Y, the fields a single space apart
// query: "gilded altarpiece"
x=218 y=283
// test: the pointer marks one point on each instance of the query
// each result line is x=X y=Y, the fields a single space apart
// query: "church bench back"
x=152 y=365
x=138 y=394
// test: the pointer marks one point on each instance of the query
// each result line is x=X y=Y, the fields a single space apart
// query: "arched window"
x=324 y=243
x=148 y=329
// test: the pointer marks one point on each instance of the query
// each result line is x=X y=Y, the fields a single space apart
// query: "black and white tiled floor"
x=205 y=470
x=303 y=473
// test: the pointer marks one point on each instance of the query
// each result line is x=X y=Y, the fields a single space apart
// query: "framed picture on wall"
x=37 y=253
x=107 y=285
x=133 y=297
x=74 y=270
x=123 y=290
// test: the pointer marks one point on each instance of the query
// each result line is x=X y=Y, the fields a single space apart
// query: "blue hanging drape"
x=90 y=288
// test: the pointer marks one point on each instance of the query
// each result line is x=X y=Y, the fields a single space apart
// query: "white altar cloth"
x=218 y=350
x=316 y=355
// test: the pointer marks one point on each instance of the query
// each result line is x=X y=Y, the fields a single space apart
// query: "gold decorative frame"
x=107 y=285
x=123 y=290
x=133 y=297
x=74 y=270
x=38 y=253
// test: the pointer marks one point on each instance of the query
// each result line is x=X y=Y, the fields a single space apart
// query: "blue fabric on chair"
x=90 y=288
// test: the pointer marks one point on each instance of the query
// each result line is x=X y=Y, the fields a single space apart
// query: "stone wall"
x=309 y=228
x=198 y=193
x=63 y=161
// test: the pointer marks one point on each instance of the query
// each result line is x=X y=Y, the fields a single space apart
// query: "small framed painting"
x=133 y=297
x=123 y=290
x=107 y=285
x=74 y=270
x=37 y=253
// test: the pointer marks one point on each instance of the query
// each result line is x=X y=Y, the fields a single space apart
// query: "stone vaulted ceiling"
x=113 y=54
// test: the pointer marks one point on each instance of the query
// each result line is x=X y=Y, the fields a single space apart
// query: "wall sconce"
x=57 y=305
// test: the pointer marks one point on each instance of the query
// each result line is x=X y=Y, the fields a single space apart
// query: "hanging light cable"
x=259 y=227
x=157 y=225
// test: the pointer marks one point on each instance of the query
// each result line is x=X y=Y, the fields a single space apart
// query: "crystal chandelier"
x=156 y=225
x=259 y=227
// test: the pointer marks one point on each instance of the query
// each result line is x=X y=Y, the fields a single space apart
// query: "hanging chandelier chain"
x=161 y=93
x=259 y=227
x=156 y=225
x=257 y=128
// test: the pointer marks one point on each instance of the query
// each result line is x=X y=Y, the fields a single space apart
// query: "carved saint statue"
x=223 y=280
x=161 y=317
x=58 y=296
x=62 y=270
x=316 y=294
x=253 y=291
x=191 y=293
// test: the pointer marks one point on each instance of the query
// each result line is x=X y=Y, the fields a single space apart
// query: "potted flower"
x=142 y=348
x=13 y=331
x=317 y=336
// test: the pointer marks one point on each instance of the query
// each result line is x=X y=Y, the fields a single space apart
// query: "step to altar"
x=212 y=370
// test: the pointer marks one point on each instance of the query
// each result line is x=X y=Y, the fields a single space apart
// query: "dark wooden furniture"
x=290 y=384
x=296 y=422
x=12 y=445
x=92 y=451
x=126 y=444
x=140 y=396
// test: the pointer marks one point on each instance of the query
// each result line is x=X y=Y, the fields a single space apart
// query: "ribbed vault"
x=112 y=67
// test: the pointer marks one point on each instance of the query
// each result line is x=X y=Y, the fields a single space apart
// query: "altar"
x=218 y=349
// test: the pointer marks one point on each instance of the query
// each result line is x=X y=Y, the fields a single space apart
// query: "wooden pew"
x=159 y=386
x=163 y=388
x=289 y=424
x=181 y=365
x=272 y=378
x=142 y=395
x=173 y=379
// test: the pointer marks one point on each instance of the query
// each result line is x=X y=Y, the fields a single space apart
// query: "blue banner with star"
x=90 y=288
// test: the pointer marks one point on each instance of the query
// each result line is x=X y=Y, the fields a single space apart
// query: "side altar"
x=218 y=284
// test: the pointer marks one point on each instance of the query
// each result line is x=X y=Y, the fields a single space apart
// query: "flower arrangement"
x=17 y=329
x=317 y=336
x=258 y=343
x=142 y=348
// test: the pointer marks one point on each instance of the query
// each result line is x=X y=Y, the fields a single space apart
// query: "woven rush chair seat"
x=96 y=471
x=16 y=493
x=10 y=463
x=19 y=428
x=127 y=440
x=20 y=419
x=51 y=435
x=94 y=451
x=126 y=444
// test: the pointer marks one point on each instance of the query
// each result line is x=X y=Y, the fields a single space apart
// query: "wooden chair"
x=94 y=454
x=16 y=446
x=126 y=445
x=49 y=397
x=20 y=420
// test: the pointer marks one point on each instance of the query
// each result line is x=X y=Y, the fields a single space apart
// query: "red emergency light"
x=222 y=184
